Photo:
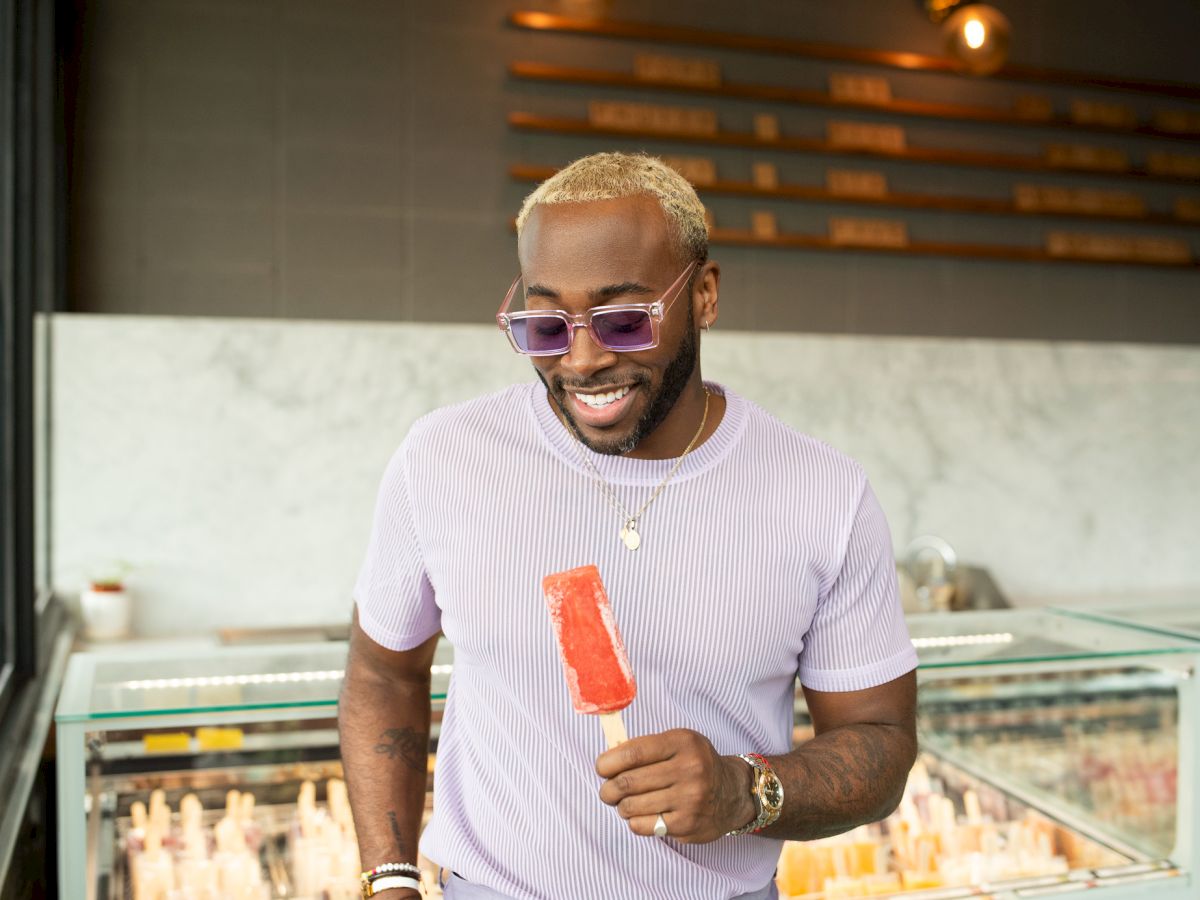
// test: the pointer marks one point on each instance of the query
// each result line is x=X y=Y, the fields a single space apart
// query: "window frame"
x=30 y=275
x=8 y=379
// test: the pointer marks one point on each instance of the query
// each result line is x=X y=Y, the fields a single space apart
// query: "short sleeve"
x=858 y=638
x=395 y=599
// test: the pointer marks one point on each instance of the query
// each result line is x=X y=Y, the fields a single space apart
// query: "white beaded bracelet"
x=397 y=868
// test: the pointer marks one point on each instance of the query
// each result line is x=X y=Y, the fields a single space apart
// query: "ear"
x=705 y=292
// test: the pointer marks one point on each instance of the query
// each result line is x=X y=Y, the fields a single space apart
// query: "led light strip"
x=151 y=684
x=962 y=640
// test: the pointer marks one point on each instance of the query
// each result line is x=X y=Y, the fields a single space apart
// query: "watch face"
x=771 y=791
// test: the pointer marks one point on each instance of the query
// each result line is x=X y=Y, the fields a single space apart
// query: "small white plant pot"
x=107 y=614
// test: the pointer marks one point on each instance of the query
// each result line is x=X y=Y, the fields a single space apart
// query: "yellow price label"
x=219 y=738
x=167 y=742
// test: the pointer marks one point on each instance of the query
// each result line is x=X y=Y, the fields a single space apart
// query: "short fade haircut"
x=611 y=176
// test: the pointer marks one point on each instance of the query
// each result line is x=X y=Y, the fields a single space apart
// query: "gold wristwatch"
x=767 y=790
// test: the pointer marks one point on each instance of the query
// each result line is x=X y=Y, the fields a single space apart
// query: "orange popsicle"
x=593 y=654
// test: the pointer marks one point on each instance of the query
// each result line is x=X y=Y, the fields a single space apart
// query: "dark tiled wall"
x=347 y=159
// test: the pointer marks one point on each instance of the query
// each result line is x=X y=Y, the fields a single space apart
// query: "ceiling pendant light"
x=976 y=34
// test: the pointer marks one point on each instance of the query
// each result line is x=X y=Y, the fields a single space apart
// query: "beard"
x=675 y=378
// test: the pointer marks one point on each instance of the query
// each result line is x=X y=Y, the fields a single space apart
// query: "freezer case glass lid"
x=101 y=686
x=1006 y=637
x=1180 y=618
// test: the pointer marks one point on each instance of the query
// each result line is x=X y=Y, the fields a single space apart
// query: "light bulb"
x=977 y=35
x=974 y=33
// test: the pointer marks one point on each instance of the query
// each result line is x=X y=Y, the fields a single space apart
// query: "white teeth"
x=599 y=401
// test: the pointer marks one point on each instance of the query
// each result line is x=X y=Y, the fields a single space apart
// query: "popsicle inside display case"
x=306 y=849
x=194 y=856
x=954 y=833
x=593 y=655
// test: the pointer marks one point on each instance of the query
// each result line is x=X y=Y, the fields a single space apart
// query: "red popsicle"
x=593 y=654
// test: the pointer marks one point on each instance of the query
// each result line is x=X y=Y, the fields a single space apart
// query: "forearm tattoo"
x=848 y=770
x=401 y=846
x=851 y=776
x=405 y=744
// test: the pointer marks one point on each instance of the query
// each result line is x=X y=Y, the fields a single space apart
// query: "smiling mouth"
x=600 y=400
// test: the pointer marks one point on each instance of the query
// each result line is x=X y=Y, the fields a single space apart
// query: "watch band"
x=765 y=782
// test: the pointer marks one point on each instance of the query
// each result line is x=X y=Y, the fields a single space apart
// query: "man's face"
x=575 y=256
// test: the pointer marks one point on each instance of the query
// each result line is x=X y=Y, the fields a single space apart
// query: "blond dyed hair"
x=611 y=176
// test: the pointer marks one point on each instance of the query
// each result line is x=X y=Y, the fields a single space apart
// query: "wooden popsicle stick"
x=614 y=729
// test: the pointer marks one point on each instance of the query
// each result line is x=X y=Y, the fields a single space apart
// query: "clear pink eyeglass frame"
x=655 y=310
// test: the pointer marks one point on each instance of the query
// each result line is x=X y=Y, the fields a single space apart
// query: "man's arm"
x=851 y=773
x=383 y=725
x=854 y=770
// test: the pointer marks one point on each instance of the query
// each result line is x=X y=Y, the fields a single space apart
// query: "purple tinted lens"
x=540 y=334
x=624 y=329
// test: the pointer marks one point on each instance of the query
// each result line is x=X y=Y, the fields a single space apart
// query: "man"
x=737 y=554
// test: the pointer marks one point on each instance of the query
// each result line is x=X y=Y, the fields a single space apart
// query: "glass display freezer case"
x=157 y=750
x=1058 y=756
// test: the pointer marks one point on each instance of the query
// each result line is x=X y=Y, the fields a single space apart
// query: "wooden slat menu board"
x=1186 y=130
x=941 y=203
x=1050 y=164
x=786 y=241
x=1003 y=252
x=699 y=37
x=1019 y=162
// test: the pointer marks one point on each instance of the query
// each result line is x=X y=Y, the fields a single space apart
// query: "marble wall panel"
x=234 y=462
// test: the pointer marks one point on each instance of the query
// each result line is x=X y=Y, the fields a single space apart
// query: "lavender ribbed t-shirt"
x=766 y=557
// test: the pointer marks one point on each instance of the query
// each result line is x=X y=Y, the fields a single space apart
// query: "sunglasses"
x=622 y=327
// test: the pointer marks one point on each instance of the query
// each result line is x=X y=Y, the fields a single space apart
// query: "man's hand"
x=700 y=794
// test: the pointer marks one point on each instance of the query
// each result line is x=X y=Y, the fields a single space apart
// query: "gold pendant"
x=629 y=535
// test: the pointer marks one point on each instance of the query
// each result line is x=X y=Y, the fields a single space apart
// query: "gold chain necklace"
x=629 y=533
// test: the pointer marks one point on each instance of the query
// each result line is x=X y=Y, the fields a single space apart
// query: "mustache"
x=561 y=386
